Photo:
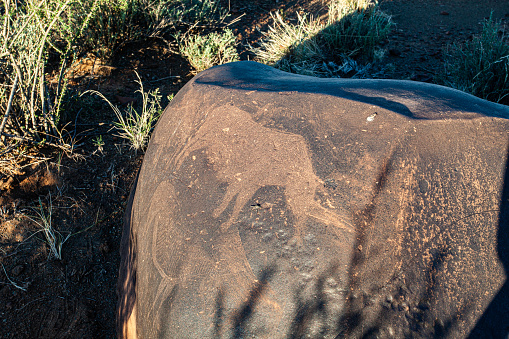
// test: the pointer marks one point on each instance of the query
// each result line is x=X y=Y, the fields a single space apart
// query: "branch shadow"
x=494 y=322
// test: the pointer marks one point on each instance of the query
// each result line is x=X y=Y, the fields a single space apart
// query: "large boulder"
x=273 y=205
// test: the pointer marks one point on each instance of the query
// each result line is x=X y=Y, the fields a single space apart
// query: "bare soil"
x=42 y=297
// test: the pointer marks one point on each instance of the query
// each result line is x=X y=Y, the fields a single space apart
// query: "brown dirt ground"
x=75 y=297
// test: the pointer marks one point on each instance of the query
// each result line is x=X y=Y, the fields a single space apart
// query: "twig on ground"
x=12 y=282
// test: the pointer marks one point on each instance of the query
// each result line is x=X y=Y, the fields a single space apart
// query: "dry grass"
x=350 y=35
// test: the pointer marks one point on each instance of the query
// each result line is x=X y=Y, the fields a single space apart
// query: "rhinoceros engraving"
x=248 y=156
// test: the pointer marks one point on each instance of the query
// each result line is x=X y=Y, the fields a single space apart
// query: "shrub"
x=115 y=23
x=479 y=66
x=119 y=22
x=203 y=52
x=31 y=28
x=166 y=14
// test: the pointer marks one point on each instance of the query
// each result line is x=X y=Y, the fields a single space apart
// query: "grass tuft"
x=355 y=28
x=352 y=32
x=137 y=125
x=53 y=238
x=480 y=66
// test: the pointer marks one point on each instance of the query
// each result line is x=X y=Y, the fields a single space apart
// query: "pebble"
x=424 y=305
x=403 y=307
x=421 y=78
x=17 y=270
x=391 y=332
x=394 y=52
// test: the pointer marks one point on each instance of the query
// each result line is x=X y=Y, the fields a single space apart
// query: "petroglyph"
x=249 y=156
x=222 y=190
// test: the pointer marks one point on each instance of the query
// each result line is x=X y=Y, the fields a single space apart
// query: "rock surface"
x=276 y=205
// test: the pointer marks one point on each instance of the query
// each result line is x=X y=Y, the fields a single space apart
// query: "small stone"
x=444 y=13
x=424 y=305
x=17 y=270
x=394 y=52
x=390 y=331
x=267 y=237
x=403 y=307
x=104 y=248
x=421 y=78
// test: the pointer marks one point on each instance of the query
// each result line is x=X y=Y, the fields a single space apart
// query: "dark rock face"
x=272 y=205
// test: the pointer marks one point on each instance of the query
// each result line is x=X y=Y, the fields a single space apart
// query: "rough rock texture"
x=272 y=205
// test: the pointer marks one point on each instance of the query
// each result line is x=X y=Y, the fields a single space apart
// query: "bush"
x=479 y=66
x=203 y=52
x=33 y=31
x=119 y=22
x=350 y=35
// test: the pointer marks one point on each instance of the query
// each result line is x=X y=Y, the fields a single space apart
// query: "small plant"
x=136 y=125
x=99 y=143
x=203 y=52
x=480 y=66
x=54 y=239
x=352 y=32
